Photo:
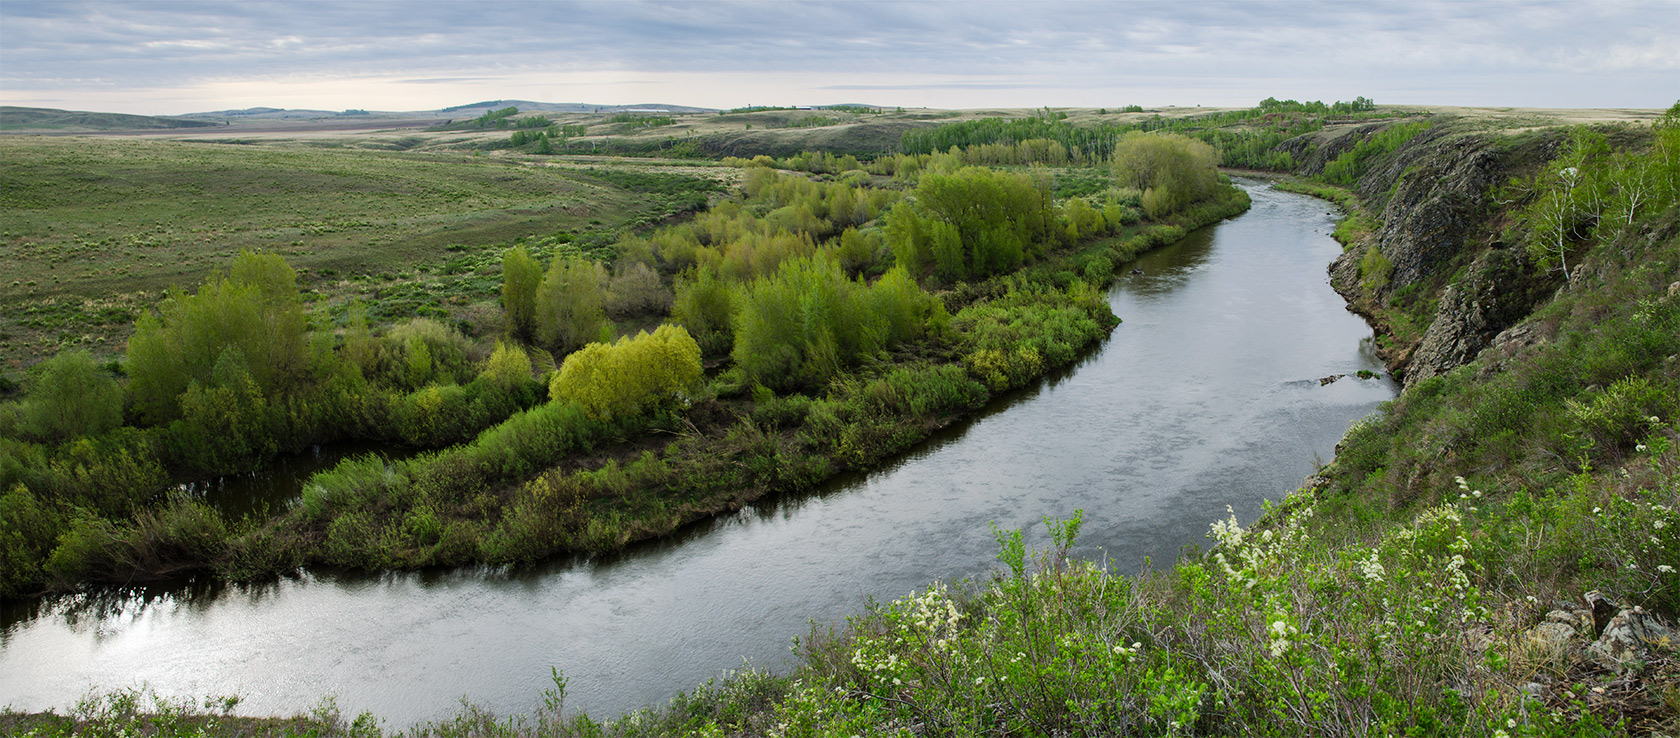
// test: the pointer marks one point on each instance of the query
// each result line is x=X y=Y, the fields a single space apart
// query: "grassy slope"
x=95 y=229
x=13 y=118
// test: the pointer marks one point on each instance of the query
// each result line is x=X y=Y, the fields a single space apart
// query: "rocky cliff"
x=1435 y=277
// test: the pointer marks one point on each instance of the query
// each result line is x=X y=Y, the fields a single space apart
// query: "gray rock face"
x=1628 y=640
x=1494 y=294
x=1435 y=195
x=1437 y=202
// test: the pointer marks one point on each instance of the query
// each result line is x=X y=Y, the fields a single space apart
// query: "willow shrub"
x=571 y=304
x=705 y=305
x=72 y=396
x=253 y=308
x=803 y=324
x=632 y=376
x=973 y=223
x=1173 y=171
x=1011 y=340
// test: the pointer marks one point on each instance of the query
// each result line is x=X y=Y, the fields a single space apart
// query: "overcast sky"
x=171 y=57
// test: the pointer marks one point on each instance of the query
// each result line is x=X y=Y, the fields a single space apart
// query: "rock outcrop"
x=1440 y=247
x=1496 y=293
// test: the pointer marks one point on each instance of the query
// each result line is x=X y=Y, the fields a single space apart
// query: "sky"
x=173 y=57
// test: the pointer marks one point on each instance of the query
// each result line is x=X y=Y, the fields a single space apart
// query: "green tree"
x=521 y=275
x=705 y=306
x=974 y=222
x=1179 y=170
x=570 y=304
x=254 y=307
x=1568 y=198
x=72 y=396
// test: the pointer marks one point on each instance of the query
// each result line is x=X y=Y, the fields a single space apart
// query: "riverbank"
x=1122 y=433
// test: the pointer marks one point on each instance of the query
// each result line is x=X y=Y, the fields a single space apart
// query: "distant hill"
x=16 y=119
x=528 y=106
x=263 y=114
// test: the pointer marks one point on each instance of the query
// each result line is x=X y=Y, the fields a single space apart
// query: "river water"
x=1207 y=395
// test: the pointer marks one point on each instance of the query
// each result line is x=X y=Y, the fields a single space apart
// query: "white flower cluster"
x=861 y=659
x=1372 y=568
x=1467 y=495
x=1250 y=553
x=1281 y=634
x=935 y=615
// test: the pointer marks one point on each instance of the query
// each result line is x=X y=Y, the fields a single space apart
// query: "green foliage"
x=1242 y=138
x=1374 y=270
x=29 y=532
x=1564 y=200
x=570 y=304
x=1172 y=171
x=253 y=308
x=1348 y=167
x=1016 y=338
x=705 y=305
x=433 y=352
x=634 y=121
x=803 y=324
x=973 y=223
x=508 y=367
x=71 y=396
x=495 y=118
x=521 y=275
x=632 y=376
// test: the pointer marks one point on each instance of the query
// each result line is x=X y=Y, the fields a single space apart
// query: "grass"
x=14 y=118
x=94 y=230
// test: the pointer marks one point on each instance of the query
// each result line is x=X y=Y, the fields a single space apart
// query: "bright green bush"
x=508 y=367
x=974 y=222
x=1012 y=340
x=802 y=325
x=1374 y=270
x=632 y=376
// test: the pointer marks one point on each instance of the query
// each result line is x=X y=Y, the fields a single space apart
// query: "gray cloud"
x=1539 y=53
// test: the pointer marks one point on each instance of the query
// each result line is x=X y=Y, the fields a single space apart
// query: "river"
x=1207 y=395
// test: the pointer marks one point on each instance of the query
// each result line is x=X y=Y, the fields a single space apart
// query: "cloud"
x=944 y=86
x=1557 y=53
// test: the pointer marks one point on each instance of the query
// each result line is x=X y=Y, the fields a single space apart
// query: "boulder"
x=1628 y=640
